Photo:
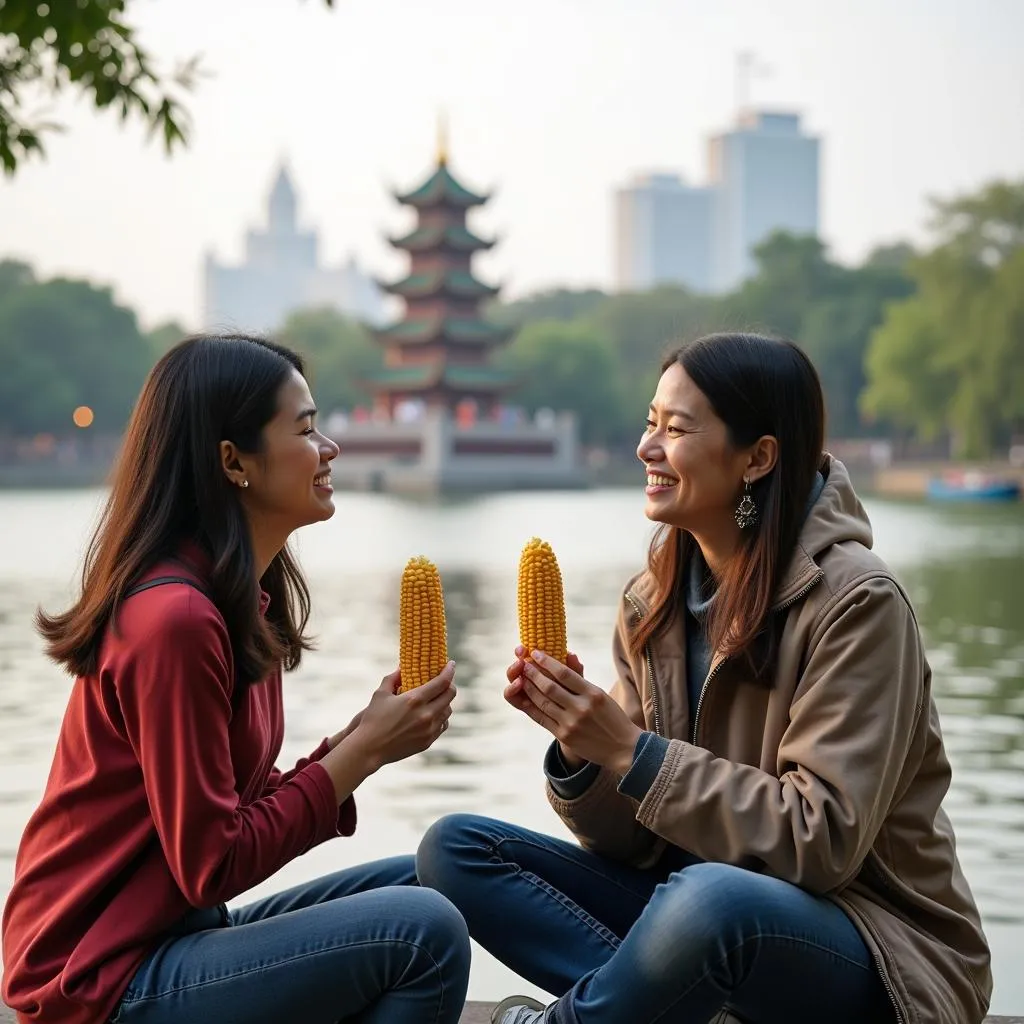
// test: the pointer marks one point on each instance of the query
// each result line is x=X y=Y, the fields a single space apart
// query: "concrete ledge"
x=480 y=1013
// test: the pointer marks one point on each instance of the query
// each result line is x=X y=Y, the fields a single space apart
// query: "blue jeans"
x=675 y=944
x=365 y=944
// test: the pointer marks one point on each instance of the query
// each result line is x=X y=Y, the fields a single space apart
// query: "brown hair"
x=756 y=386
x=168 y=489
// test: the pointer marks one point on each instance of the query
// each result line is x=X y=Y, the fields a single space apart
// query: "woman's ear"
x=763 y=456
x=231 y=464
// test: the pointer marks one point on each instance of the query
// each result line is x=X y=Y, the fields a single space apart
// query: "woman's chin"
x=656 y=512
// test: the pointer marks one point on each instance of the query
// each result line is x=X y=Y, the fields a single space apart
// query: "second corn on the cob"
x=423 y=640
x=541 y=601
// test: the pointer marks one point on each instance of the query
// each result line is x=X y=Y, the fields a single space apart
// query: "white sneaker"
x=518 y=1010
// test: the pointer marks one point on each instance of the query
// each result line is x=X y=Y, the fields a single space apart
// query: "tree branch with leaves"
x=53 y=47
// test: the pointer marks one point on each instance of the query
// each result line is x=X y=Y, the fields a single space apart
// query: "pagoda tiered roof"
x=441 y=189
x=440 y=347
x=441 y=236
x=411 y=379
x=450 y=281
x=457 y=330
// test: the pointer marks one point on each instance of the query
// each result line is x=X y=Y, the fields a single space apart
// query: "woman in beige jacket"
x=758 y=798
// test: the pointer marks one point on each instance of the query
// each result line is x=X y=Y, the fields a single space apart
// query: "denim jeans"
x=675 y=944
x=365 y=944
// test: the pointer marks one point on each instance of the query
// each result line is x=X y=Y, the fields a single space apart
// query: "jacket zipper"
x=700 y=699
x=888 y=987
x=650 y=671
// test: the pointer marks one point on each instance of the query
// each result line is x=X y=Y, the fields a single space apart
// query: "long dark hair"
x=168 y=489
x=756 y=386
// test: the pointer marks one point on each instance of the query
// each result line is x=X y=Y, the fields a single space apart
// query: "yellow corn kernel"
x=423 y=638
x=541 y=601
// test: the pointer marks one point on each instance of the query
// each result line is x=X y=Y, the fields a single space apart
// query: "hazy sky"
x=553 y=102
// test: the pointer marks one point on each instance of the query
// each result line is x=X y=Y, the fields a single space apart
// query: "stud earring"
x=746 y=512
x=244 y=483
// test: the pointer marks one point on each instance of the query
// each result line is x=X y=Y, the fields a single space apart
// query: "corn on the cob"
x=423 y=640
x=541 y=602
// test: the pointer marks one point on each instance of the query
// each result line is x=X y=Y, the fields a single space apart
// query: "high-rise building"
x=765 y=176
x=663 y=234
x=282 y=273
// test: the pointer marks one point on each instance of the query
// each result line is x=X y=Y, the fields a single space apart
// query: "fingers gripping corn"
x=423 y=641
x=541 y=602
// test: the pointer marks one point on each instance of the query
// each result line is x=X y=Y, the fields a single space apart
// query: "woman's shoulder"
x=169 y=604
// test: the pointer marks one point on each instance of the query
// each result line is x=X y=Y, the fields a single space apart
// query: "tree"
x=643 y=326
x=569 y=366
x=793 y=272
x=49 y=47
x=63 y=344
x=164 y=337
x=14 y=275
x=836 y=331
x=558 y=304
x=340 y=353
x=947 y=360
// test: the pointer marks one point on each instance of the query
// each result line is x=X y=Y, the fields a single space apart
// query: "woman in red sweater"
x=163 y=800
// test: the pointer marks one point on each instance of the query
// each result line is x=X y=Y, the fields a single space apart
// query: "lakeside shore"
x=901 y=480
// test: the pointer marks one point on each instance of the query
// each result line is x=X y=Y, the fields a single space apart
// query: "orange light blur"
x=82 y=416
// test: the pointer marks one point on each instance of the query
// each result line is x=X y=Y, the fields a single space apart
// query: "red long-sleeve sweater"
x=161 y=797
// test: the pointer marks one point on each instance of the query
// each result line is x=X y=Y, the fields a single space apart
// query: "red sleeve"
x=346 y=812
x=174 y=687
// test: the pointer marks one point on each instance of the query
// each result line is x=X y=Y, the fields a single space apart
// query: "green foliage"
x=63 y=344
x=87 y=46
x=558 y=304
x=161 y=339
x=14 y=275
x=792 y=274
x=569 y=366
x=340 y=355
x=948 y=360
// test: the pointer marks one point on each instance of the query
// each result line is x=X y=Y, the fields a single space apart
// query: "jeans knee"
x=699 y=911
x=443 y=849
x=713 y=893
x=443 y=931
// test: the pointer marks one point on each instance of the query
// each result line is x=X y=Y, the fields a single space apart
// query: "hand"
x=581 y=716
x=394 y=726
x=516 y=696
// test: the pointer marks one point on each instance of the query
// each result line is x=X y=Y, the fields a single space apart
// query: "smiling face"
x=289 y=480
x=694 y=474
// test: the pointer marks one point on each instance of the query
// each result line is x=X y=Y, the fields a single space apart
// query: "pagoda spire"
x=442 y=138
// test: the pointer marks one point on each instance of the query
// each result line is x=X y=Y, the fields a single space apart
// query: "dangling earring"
x=746 y=512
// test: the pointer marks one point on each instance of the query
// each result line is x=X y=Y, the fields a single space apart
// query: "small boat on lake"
x=972 y=486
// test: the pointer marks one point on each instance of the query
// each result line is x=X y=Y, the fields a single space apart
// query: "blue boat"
x=972 y=486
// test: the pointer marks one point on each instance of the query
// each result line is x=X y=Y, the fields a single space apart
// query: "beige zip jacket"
x=832 y=778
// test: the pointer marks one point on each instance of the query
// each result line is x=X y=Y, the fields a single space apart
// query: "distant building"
x=763 y=177
x=282 y=273
x=663 y=231
x=439 y=421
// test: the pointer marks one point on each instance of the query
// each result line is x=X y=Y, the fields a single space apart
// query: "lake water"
x=964 y=568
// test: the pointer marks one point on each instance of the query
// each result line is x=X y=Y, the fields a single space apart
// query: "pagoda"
x=439 y=352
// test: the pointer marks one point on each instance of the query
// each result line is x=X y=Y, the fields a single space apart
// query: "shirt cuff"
x=648 y=754
x=568 y=785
